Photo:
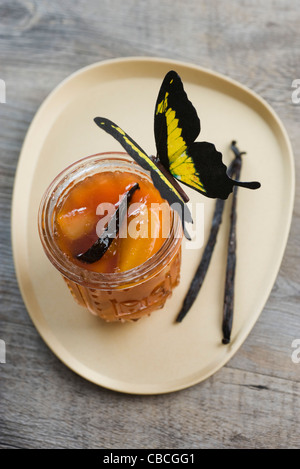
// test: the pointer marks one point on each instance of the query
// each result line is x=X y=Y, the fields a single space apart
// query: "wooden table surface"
x=254 y=400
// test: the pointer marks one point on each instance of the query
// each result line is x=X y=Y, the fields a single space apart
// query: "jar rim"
x=81 y=275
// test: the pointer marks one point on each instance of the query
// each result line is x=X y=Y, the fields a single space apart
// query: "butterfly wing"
x=201 y=168
x=162 y=184
x=176 y=126
x=176 y=123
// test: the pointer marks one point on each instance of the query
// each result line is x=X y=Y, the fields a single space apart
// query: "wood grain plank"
x=233 y=409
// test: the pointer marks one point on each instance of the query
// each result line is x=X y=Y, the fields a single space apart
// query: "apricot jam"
x=140 y=268
x=85 y=207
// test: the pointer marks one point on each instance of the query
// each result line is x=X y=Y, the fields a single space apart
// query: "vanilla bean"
x=205 y=261
x=206 y=258
x=99 y=248
x=228 y=307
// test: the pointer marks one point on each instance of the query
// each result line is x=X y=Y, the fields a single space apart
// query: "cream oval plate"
x=155 y=355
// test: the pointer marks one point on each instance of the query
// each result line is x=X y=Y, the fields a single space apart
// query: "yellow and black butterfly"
x=197 y=164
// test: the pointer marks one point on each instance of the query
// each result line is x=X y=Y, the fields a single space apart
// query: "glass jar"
x=123 y=296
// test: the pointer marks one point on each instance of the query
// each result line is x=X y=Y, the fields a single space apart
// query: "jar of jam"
x=141 y=267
